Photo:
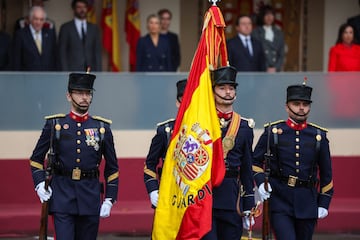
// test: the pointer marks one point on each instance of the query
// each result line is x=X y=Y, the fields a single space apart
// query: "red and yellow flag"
x=132 y=29
x=194 y=161
x=91 y=14
x=111 y=33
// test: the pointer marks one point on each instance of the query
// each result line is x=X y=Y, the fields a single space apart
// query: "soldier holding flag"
x=237 y=138
x=194 y=164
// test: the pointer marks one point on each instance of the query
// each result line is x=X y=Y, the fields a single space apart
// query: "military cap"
x=299 y=92
x=180 y=88
x=224 y=75
x=81 y=81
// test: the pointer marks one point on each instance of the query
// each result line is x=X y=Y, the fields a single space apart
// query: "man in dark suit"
x=34 y=47
x=79 y=42
x=245 y=53
x=165 y=18
x=25 y=21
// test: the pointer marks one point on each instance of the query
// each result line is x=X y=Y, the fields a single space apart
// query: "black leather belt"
x=77 y=173
x=293 y=181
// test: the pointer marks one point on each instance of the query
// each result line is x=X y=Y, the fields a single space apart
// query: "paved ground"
x=317 y=237
x=339 y=236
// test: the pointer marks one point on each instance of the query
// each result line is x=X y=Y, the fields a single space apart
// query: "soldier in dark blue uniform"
x=158 y=148
x=234 y=198
x=300 y=154
x=79 y=141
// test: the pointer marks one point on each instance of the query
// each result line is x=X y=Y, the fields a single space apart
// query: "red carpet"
x=132 y=214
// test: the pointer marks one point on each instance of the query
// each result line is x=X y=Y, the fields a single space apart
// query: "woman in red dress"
x=345 y=55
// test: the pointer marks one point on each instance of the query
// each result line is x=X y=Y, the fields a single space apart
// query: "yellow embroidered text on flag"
x=194 y=160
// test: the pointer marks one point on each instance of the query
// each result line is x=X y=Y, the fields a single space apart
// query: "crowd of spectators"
x=34 y=46
x=257 y=46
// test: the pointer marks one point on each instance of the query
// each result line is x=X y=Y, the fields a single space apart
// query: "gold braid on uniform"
x=149 y=172
x=273 y=123
x=251 y=122
x=113 y=176
x=36 y=165
x=164 y=122
x=59 y=115
x=102 y=119
x=317 y=126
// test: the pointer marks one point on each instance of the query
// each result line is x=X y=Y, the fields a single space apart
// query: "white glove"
x=154 y=197
x=263 y=193
x=322 y=212
x=106 y=208
x=42 y=193
x=246 y=220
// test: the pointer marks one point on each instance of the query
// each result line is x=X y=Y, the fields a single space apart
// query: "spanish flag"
x=194 y=161
x=91 y=14
x=132 y=29
x=111 y=33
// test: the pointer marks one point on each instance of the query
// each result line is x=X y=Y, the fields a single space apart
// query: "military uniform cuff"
x=38 y=177
x=152 y=186
x=248 y=203
x=324 y=201
x=259 y=178
x=111 y=192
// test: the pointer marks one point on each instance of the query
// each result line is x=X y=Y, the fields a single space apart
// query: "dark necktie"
x=83 y=34
x=247 y=46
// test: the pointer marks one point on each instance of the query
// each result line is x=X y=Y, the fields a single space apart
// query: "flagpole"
x=214 y=2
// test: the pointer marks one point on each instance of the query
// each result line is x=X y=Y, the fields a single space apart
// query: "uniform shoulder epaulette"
x=251 y=122
x=59 y=115
x=102 y=119
x=317 y=126
x=273 y=123
x=164 y=122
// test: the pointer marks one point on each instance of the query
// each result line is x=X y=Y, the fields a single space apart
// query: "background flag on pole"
x=132 y=30
x=194 y=161
x=111 y=33
x=91 y=14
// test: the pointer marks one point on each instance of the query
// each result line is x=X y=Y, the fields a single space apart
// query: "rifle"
x=266 y=229
x=255 y=212
x=45 y=204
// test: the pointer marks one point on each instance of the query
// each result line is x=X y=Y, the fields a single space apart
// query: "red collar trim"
x=226 y=116
x=296 y=126
x=78 y=118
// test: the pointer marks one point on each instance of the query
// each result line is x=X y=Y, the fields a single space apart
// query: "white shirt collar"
x=243 y=37
x=32 y=30
x=79 y=22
